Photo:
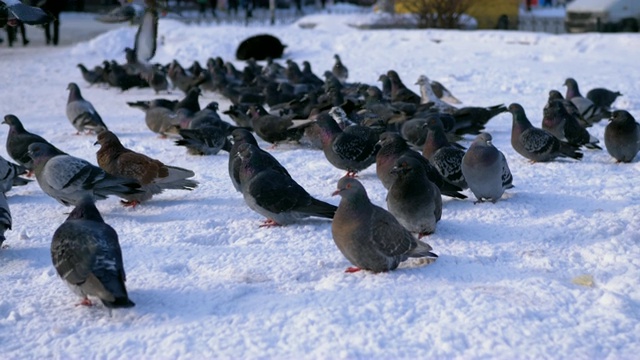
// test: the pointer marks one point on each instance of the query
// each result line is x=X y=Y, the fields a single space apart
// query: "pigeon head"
x=555 y=95
x=621 y=116
x=404 y=165
x=107 y=138
x=12 y=121
x=38 y=150
x=74 y=92
x=243 y=136
x=391 y=139
x=572 y=88
x=422 y=80
x=85 y=210
x=212 y=106
x=485 y=138
x=328 y=127
x=349 y=187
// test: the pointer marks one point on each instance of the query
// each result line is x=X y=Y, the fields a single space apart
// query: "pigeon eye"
x=348 y=186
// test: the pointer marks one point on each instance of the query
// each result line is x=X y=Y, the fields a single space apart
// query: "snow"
x=550 y=271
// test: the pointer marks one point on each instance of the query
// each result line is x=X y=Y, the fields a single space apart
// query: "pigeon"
x=158 y=118
x=446 y=158
x=486 y=170
x=352 y=149
x=443 y=93
x=564 y=126
x=536 y=144
x=10 y=175
x=145 y=45
x=622 y=136
x=94 y=76
x=18 y=141
x=242 y=136
x=5 y=217
x=602 y=97
x=207 y=140
x=392 y=147
x=369 y=236
x=81 y=113
x=86 y=254
x=589 y=111
x=413 y=199
x=272 y=128
x=30 y=15
x=427 y=95
x=153 y=176
x=555 y=95
x=399 y=92
x=339 y=70
x=274 y=194
x=68 y=179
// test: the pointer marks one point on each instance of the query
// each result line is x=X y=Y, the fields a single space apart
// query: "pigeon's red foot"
x=85 y=302
x=29 y=173
x=352 y=269
x=132 y=203
x=269 y=223
x=423 y=234
x=351 y=174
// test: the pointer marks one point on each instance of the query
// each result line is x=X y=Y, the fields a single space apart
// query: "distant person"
x=53 y=8
x=528 y=2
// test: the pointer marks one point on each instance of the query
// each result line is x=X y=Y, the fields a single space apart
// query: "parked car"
x=603 y=15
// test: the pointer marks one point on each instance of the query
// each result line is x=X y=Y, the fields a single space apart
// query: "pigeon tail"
x=423 y=250
x=121 y=302
x=320 y=209
x=571 y=151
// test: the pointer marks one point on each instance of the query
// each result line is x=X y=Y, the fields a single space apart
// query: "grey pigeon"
x=589 y=111
x=10 y=175
x=427 y=95
x=486 y=170
x=5 y=217
x=94 y=76
x=274 y=194
x=18 y=141
x=392 y=147
x=68 y=179
x=81 y=113
x=86 y=254
x=399 y=91
x=443 y=93
x=536 y=144
x=352 y=149
x=160 y=119
x=27 y=14
x=339 y=70
x=413 y=199
x=208 y=140
x=622 y=136
x=603 y=97
x=564 y=126
x=446 y=158
x=369 y=236
x=153 y=176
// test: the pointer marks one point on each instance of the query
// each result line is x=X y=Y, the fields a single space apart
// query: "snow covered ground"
x=550 y=271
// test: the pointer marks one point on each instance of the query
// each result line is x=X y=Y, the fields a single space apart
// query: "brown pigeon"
x=153 y=176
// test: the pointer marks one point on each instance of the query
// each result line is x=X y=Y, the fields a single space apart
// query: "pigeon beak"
x=337 y=192
x=96 y=143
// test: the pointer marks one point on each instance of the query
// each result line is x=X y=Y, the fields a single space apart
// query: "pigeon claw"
x=269 y=223
x=352 y=269
x=132 y=203
x=351 y=174
x=85 y=302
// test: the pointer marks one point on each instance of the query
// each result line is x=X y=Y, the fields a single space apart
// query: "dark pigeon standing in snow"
x=413 y=199
x=274 y=194
x=565 y=127
x=339 y=70
x=68 y=179
x=555 y=95
x=18 y=141
x=352 y=149
x=5 y=217
x=442 y=155
x=86 y=254
x=622 y=136
x=589 y=111
x=153 y=176
x=368 y=235
x=81 y=113
x=30 y=15
x=243 y=136
x=536 y=144
x=602 y=97
x=392 y=147
x=10 y=175
x=486 y=170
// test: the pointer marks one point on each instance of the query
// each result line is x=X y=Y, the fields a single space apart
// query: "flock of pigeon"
x=411 y=139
